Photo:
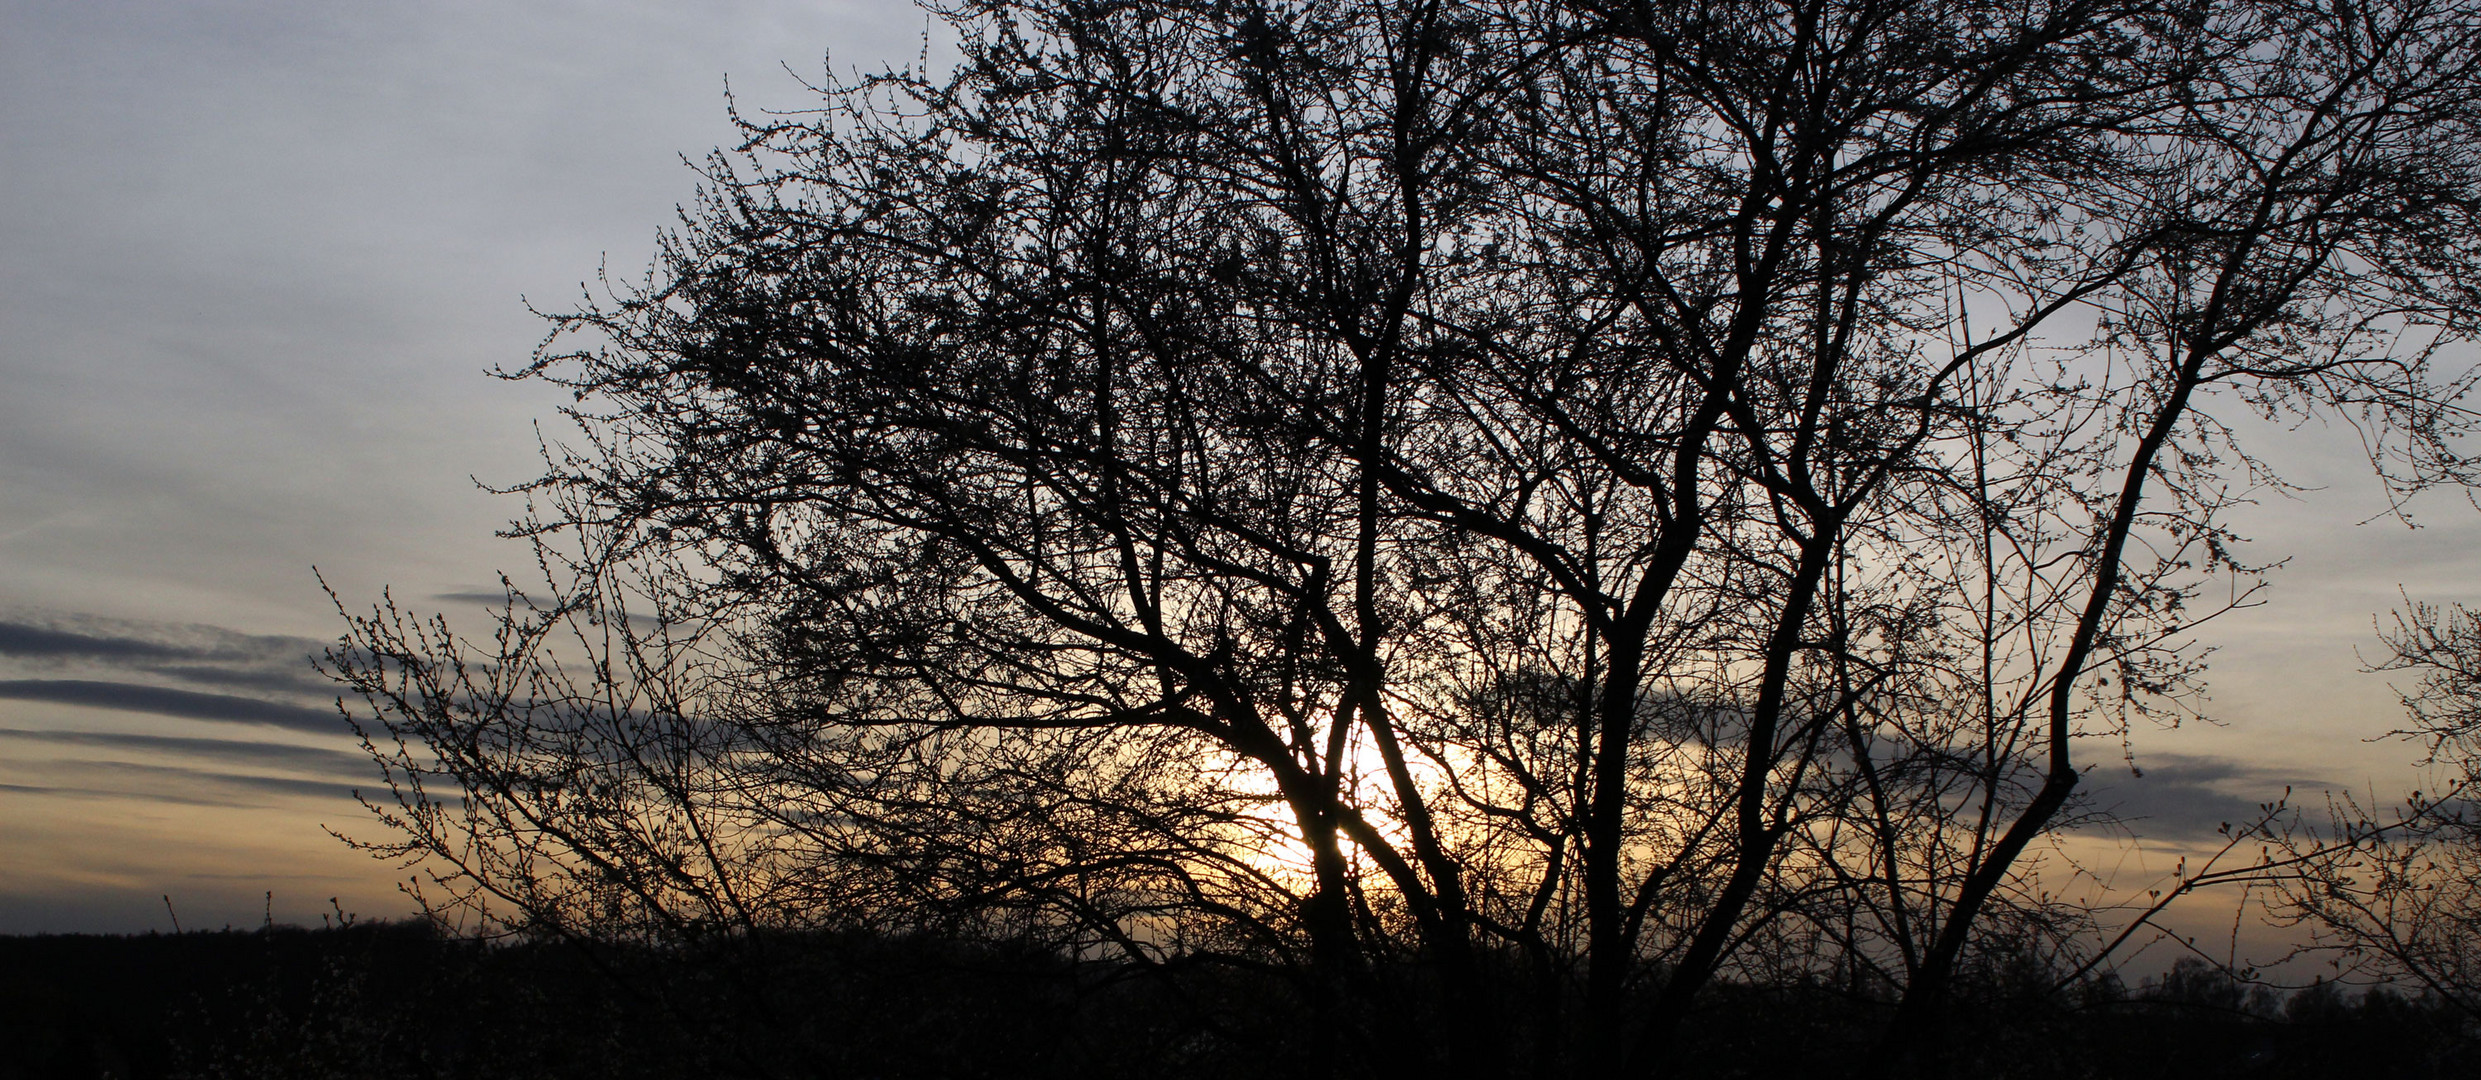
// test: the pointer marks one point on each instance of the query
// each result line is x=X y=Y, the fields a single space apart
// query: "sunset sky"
x=255 y=261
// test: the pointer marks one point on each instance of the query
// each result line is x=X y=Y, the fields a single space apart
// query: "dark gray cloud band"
x=89 y=637
x=165 y=701
x=28 y=640
x=2190 y=797
x=286 y=755
x=486 y=597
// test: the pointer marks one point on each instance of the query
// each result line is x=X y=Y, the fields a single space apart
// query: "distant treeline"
x=380 y=1000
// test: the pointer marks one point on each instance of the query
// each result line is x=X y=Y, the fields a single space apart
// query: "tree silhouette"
x=2397 y=897
x=1502 y=514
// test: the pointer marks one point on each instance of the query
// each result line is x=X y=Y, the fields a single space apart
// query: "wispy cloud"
x=103 y=779
x=111 y=649
x=228 y=680
x=282 y=682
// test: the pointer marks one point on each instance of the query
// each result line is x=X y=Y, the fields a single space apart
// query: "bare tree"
x=1504 y=512
x=2397 y=897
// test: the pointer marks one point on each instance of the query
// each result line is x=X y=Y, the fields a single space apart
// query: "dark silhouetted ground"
x=400 y=1001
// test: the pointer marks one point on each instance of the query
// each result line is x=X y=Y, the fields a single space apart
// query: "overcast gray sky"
x=254 y=260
